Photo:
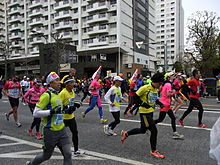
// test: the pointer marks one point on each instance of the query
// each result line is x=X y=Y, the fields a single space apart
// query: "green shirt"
x=55 y=121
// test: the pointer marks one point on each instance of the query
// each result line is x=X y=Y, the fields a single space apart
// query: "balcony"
x=16 y=53
x=99 y=42
x=14 y=10
x=37 y=40
x=63 y=25
x=16 y=44
x=36 y=3
x=36 y=21
x=99 y=18
x=15 y=27
x=64 y=4
x=14 y=2
x=34 y=50
x=36 y=12
x=63 y=14
x=98 y=7
x=66 y=35
x=15 y=36
x=15 y=18
x=36 y=31
x=99 y=30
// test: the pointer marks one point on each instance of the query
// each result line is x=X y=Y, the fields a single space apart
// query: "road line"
x=91 y=153
x=10 y=144
x=164 y=124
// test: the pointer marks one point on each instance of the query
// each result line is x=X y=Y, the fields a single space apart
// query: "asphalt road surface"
x=16 y=147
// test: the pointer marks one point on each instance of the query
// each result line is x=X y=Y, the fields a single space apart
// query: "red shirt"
x=132 y=86
x=13 y=88
x=195 y=86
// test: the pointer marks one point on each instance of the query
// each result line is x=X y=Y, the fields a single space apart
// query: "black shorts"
x=14 y=102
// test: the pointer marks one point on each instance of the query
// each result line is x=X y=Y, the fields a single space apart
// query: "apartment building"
x=169 y=32
x=2 y=25
x=104 y=32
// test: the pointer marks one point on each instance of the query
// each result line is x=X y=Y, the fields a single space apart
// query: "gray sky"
x=191 y=6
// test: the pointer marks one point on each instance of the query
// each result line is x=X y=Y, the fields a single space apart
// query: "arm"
x=27 y=96
x=107 y=97
x=38 y=112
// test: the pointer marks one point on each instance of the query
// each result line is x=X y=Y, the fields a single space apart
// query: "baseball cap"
x=118 y=78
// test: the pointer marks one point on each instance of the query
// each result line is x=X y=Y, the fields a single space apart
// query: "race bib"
x=117 y=98
x=14 y=92
x=58 y=119
x=71 y=101
x=153 y=97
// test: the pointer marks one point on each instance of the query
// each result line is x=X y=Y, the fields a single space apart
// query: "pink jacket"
x=32 y=95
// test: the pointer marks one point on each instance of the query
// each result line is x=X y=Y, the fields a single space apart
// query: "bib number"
x=71 y=101
x=153 y=97
x=58 y=119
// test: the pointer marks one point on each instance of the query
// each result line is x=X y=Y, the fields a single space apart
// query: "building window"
x=138 y=59
x=112 y=25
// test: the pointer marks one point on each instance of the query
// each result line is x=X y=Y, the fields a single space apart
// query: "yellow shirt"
x=65 y=96
x=149 y=95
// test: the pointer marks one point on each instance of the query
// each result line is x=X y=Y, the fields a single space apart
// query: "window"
x=113 y=13
x=101 y=27
x=112 y=2
x=140 y=35
x=141 y=7
x=112 y=25
x=75 y=21
x=75 y=10
x=94 y=58
x=138 y=59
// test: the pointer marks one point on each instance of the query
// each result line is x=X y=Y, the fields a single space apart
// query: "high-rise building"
x=104 y=32
x=169 y=32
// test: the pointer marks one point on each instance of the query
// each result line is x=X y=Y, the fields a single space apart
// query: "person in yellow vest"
x=50 y=107
x=72 y=73
x=67 y=96
x=113 y=97
x=218 y=87
x=146 y=97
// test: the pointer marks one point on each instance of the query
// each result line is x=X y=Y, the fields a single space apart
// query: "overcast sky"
x=191 y=6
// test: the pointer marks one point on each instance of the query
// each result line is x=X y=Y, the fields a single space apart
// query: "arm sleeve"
x=40 y=113
x=107 y=96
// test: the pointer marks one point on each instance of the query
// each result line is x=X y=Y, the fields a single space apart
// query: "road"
x=17 y=147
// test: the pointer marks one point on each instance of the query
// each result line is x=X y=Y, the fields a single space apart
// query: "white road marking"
x=9 y=144
x=91 y=154
x=164 y=124
x=5 y=101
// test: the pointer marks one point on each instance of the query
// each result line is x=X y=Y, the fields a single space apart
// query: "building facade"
x=104 y=32
x=169 y=32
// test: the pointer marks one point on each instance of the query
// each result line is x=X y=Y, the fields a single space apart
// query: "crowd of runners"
x=53 y=100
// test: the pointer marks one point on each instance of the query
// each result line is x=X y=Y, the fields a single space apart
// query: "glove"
x=145 y=105
x=71 y=109
x=55 y=110
x=77 y=105
x=159 y=103
x=65 y=109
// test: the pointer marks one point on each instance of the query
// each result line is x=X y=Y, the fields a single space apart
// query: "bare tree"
x=203 y=40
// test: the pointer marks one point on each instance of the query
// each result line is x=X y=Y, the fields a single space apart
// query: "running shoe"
x=7 y=116
x=83 y=116
x=79 y=153
x=28 y=163
x=156 y=154
x=38 y=135
x=103 y=121
x=124 y=135
x=177 y=135
x=202 y=126
x=181 y=122
x=111 y=132
x=30 y=132
x=18 y=124
x=106 y=129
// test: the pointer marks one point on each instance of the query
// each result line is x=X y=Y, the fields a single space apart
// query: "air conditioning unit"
x=129 y=65
x=145 y=66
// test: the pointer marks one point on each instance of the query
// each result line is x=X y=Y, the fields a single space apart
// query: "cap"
x=118 y=78
x=168 y=75
x=179 y=74
x=51 y=77
x=183 y=75
x=120 y=74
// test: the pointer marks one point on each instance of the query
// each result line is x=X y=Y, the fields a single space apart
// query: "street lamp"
x=140 y=43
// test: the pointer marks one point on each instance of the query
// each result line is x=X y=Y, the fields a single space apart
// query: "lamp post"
x=140 y=43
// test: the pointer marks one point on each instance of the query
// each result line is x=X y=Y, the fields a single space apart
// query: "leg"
x=189 y=109
x=173 y=120
x=200 y=108
x=66 y=152
x=179 y=103
x=93 y=101
x=116 y=116
x=162 y=116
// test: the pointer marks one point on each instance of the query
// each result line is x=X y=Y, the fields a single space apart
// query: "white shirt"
x=110 y=92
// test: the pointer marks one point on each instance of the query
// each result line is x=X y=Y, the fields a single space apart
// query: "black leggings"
x=162 y=116
x=84 y=96
x=197 y=104
x=36 y=121
x=116 y=116
x=71 y=123
x=147 y=122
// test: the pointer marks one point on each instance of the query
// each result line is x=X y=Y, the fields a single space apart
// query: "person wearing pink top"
x=31 y=97
x=177 y=96
x=166 y=94
x=95 y=99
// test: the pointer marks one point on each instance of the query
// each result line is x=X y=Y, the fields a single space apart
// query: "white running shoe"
x=177 y=135
x=79 y=153
x=106 y=128
x=18 y=124
x=111 y=132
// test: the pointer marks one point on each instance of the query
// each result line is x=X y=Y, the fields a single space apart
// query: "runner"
x=25 y=85
x=113 y=98
x=166 y=94
x=49 y=107
x=31 y=97
x=85 y=89
x=176 y=96
x=13 y=90
x=67 y=96
x=146 y=97
x=194 y=99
